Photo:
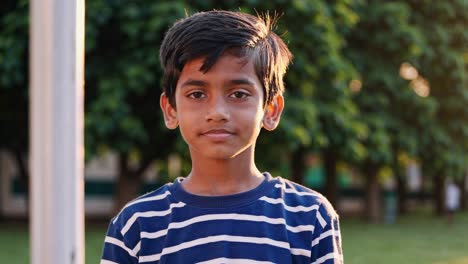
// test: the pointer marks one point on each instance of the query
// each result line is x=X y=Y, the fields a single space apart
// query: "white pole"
x=56 y=114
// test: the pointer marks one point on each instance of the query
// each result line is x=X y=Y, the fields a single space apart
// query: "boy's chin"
x=221 y=155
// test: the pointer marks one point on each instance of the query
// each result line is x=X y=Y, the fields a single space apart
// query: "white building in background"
x=100 y=175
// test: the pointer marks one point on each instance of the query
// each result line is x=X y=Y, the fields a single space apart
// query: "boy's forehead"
x=228 y=70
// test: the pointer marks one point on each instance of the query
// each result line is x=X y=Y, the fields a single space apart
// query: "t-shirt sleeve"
x=116 y=248
x=326 y=241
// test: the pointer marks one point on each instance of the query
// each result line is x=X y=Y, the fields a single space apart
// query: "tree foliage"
x=444 y=64
x=384 y=39
x=14 y=77
x=444 y=143
x=344 y=96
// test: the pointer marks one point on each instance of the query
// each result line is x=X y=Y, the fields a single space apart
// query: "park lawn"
x=416 y=239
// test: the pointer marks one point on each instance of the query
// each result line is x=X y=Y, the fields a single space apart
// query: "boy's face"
x=220 y=112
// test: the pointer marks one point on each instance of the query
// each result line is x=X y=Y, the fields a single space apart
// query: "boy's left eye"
x=239 y=95
x=196 y=95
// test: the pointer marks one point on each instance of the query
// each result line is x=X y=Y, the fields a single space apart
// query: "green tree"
x=123 y=75
x=322 y=114
x=378 y=45
x=319 y=78
x=443 y=63
x=123 y=86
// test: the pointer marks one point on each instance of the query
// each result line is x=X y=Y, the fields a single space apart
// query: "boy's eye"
x=239 y=95
x=196 y=95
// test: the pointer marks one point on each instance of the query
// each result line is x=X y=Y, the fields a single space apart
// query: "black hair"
x=211 y=34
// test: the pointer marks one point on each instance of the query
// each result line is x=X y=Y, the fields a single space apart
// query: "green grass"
x=14 y=243
x=420 y=238
x=416 y=239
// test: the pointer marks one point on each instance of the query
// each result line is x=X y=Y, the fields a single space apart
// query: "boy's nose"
x=217 y=110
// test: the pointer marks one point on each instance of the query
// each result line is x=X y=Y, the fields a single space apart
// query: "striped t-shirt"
x=277 y=222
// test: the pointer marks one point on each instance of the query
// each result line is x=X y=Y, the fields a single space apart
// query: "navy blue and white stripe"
x=277 y=222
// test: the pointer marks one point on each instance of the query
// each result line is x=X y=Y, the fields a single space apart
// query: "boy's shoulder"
x=298 y=190
x=294 y=191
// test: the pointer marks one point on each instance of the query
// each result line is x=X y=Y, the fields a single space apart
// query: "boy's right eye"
x=196 y=95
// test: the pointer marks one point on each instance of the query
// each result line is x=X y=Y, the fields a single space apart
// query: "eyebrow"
x=242 y=81
x=192 y=82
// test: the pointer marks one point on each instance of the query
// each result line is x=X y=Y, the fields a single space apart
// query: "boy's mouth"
x=217 y=134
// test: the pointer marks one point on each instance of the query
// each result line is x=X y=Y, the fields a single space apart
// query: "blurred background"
x=376 y=118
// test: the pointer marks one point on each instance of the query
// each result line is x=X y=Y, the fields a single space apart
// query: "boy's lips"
x=217 y=134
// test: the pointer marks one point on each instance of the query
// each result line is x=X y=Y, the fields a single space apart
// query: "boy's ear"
x=273 y=112
x=170 y=113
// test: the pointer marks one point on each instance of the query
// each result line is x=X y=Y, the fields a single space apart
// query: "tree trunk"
x=23 y=172
x=463 y=193
x=373 y=212
x=127 y=186
x=2 y=157
x=331 y=179
x=402 y=195
x=439 y=194
x=298 y=166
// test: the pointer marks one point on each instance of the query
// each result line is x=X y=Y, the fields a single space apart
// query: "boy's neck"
x=216 y=177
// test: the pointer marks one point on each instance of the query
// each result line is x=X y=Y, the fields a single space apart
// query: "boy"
x=223 y=82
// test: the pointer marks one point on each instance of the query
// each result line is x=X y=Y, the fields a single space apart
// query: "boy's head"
x=210 y=34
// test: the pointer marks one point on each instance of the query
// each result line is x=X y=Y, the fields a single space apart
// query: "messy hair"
x=210 y=34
